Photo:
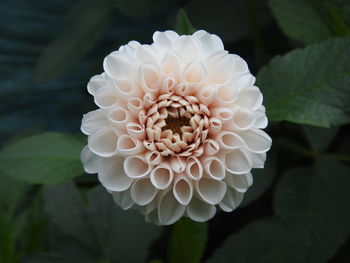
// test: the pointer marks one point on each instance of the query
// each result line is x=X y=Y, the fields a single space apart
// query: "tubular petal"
x=136 y=167
x=142 y=191
x=199 y=210
x=211 y=191
x=182 y=189
x=113 y=177
x=169 y=209
x=103 y=142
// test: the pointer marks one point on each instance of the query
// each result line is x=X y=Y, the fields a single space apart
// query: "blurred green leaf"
x=263 y=178
x=12 y=193
x=109 y=232
x=269 y=240
x=47 y=158
x=188 y=241
x=318 y=196
x=89 y=21
x=309 y=85
x=52 y=258
x=320 y=138
x=183 y=25
x=7 y=240
x=309 y=21
x=312 y=220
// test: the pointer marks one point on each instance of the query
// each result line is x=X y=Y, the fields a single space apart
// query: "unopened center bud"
x=175 y=124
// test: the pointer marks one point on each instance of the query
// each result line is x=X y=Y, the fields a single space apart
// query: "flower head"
x=178 y=128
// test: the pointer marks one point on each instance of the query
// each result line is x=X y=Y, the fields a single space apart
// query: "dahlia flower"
x=177 y=129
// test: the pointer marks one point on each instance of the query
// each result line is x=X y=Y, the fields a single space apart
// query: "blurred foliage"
x=297 y=209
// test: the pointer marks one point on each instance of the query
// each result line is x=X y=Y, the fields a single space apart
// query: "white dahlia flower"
x=177 y=129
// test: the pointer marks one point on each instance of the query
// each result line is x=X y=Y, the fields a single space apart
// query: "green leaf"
x=183 y=25
x=107 y=231
x=312 y=220
x=90 y=20
x=47 y=158
x=266 y=241
x=319 y=196
x=309 y=21
x=320 y=138
x=309 y=85
x=188 y=241
x=7 y=240
x=12 y=193
x=263 y=178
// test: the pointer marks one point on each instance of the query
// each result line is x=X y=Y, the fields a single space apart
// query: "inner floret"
x=176 y=125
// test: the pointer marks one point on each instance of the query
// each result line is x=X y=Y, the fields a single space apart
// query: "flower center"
x=176 y=125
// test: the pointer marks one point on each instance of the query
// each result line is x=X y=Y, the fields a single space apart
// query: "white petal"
x=194 y=73
x=134 y=106
x=171 y=65
x=243 y=119
x=90 y=160
x=232 y=200
x=241 y=66
x=103 y=142
x=150 y=77
x=250 y=97
x=92 y=121
x=194 y=168
x=113 y=177
x=185 y=46
x=162 y=176
x=142 y=191
x=261 y=120
x=116 y=65
x=126 y=89
x=169 y=209
x=128 y=145
x=146 y=53
x=219 y=67
x=96 y=83
x=153 y=158
x=123 y=199
x=229 y=140
x=257 y=140
x=258 y=160
x=200 y=211
x=183 y=189
x=211 y=147
x=120 y=117
x=106 y=98
x=136 y=130
x=224 y=114
x=225 y=95
x=238 y=162
x=214 y=167
x=136 y=166
x=206 y=95
x=209 y=43
x=178 y=164
x=161 y=40
x=240 y=182
x=215 y=125
x=210 y=190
